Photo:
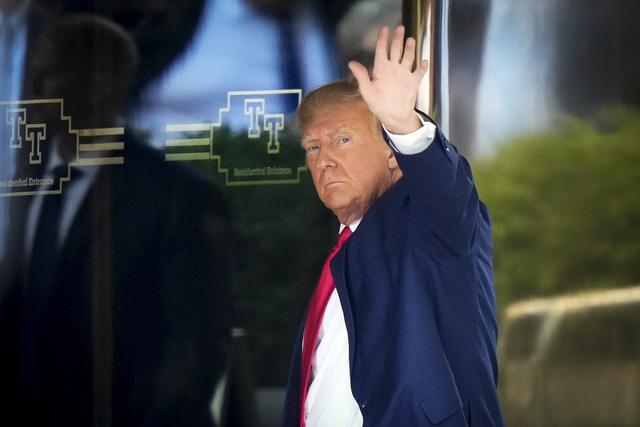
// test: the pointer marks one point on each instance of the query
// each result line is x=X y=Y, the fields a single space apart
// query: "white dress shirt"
x=330 y=402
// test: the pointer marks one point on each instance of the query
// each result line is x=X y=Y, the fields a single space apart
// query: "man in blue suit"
x=407 y=337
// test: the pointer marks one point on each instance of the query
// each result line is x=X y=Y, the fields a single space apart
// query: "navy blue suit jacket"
x=416 y=288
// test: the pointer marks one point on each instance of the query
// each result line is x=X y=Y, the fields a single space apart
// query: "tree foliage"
x=566 y=207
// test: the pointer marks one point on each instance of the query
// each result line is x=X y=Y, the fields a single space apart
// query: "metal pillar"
x=427 y=21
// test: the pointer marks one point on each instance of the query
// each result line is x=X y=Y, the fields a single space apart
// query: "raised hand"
x=392 y=90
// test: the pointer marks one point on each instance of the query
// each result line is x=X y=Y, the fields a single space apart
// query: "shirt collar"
x=56 y=160
x=352 y=226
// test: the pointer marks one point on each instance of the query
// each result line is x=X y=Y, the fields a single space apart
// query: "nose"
x=325 y=159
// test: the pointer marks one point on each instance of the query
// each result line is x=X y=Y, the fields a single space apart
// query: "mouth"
x=331 y=184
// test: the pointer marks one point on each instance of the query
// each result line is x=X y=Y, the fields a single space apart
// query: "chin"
x=336 y=201
x=335 y=208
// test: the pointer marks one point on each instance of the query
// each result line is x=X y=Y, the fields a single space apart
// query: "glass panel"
x=156 y=142
x=160 y=232
x=544 y=98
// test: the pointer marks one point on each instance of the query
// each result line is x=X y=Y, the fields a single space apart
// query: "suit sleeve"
x=444 y=201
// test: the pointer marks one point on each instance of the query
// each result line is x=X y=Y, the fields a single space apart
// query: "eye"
x=344 y=140
x=312 y=148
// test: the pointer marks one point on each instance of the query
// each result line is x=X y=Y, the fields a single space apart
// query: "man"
x=408 y=334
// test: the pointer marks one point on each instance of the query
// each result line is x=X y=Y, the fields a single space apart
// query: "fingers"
x=400 y=52
x=381 y=45
x=397 y=44
x=409 y=52
x=361 y=75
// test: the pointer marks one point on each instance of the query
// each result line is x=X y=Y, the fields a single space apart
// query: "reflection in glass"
x=556 y=158
x=288 y=50
x=150 y=233
x=114 y=308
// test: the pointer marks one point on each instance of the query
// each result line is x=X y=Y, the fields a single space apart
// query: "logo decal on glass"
x=30 y=132
x=248 y=142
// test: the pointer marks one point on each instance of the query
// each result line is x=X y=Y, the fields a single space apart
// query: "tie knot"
x=342 y=239
x=343 y=236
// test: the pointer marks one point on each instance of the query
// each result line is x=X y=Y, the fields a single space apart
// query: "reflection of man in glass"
x=401 y=329
x=114 y=301
x=286 y=42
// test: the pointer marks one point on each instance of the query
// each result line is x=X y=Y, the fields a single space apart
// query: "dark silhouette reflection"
x=113 y=298
x=161 y=29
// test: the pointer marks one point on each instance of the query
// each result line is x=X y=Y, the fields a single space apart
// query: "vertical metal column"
x=427 y=20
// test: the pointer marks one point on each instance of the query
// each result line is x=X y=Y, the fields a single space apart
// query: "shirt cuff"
x=414 y=142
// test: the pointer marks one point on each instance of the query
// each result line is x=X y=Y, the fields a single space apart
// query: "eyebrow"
x=342 y=127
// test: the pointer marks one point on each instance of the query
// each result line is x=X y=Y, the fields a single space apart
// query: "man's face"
x=350 y=163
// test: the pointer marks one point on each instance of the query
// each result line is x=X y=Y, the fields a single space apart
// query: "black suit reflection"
x=155 y=235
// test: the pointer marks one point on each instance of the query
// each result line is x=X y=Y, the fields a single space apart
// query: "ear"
x=391 y=159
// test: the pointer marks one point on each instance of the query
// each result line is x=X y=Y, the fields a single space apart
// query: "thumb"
x=361 y=74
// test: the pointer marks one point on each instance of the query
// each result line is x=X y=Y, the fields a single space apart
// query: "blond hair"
x=325 y=98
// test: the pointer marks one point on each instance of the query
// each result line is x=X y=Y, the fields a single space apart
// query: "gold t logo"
x=273 y=123
x=254 y=108
x=16 y=118
x=35 y=135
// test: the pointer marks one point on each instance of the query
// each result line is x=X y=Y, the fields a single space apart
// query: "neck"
x=348 y=219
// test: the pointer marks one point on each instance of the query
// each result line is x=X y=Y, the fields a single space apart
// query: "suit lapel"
x=338 y=271
x=79 y=231
x=82 y=224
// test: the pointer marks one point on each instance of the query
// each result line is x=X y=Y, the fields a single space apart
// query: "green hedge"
x=566 y=207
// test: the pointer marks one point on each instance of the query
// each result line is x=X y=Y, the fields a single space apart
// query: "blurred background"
x=161 y=235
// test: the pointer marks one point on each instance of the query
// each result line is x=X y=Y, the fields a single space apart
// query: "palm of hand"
x=392 y=90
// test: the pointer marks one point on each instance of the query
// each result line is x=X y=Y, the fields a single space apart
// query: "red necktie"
x=314 y=318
